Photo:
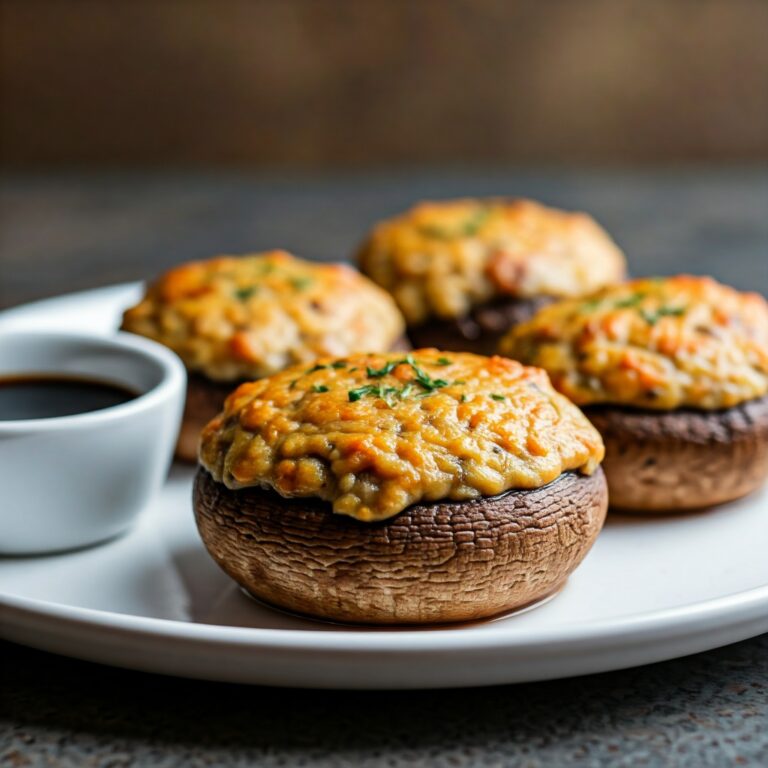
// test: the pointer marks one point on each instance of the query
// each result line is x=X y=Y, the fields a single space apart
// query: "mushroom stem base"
x=481 y=330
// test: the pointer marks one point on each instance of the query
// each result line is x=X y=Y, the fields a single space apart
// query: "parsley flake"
x=421 y=377
x=301 y=282
x=245 y=293
x=468 y=228
x=360 y=392
x=652 y=318
x=590 y=304
x=319 y=388
x=629 y=301
x=376 y=373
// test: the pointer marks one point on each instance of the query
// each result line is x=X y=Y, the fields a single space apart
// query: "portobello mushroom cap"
x=673 y=373
x=658 y=461
x=481 y=330
x=447 y=561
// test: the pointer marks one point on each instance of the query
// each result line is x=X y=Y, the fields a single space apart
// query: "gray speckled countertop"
x=706 y=710
x=68 y=232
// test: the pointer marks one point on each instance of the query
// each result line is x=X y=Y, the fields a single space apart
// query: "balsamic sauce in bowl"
x=88 y=423
x=45 y=396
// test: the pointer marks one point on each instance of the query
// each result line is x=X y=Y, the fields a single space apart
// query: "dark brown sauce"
x=45 y=396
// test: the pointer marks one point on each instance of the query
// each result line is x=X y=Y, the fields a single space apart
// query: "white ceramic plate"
x=651 y=589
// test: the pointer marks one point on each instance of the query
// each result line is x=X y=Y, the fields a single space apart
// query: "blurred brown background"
x=310 y=84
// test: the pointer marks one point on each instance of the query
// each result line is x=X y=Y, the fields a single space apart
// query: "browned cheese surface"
x=374 y=434
x=441 y=259
x=238 y=317
x=654 y=343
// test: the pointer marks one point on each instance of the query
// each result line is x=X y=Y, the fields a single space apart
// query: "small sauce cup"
x=71 y=481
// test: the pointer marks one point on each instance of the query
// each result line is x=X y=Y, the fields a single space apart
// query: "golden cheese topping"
x=444 y=258
x=240 y=317
x=653 y=343
x=376 y=433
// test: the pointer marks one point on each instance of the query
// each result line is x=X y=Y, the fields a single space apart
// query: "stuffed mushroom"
x=388 y=489
x=237 y=318
x=674 y=374
x=464 y=272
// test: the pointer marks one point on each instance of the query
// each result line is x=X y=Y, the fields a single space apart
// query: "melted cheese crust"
x=652 y=343
x=374 y=434
x=233 y=318
x=444 y=258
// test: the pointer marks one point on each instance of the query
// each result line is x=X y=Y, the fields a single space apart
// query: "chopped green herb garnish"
x=245 y=293
x=367 y=389
x=318 y=367
x=498 y=397
x=339 y=364
x=319 y=388
x=443 y=361
x=352 y=370
x=386 y=393
x=300 y=283
x=629 y=301
x=652 y=318
x=590 y=304
x=292 y=384
x=467 y=228
x=472 y=227
x=376 y=373
x=463 y=398
x=389 y=393
x=421 y=377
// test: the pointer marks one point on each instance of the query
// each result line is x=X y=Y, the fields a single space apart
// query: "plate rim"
x=746 y=605
x=7 y=313
x=744 y=613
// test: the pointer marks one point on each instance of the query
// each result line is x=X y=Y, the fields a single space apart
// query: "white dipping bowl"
x=71 y=481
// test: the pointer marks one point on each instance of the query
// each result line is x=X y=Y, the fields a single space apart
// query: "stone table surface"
x=66 y=232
